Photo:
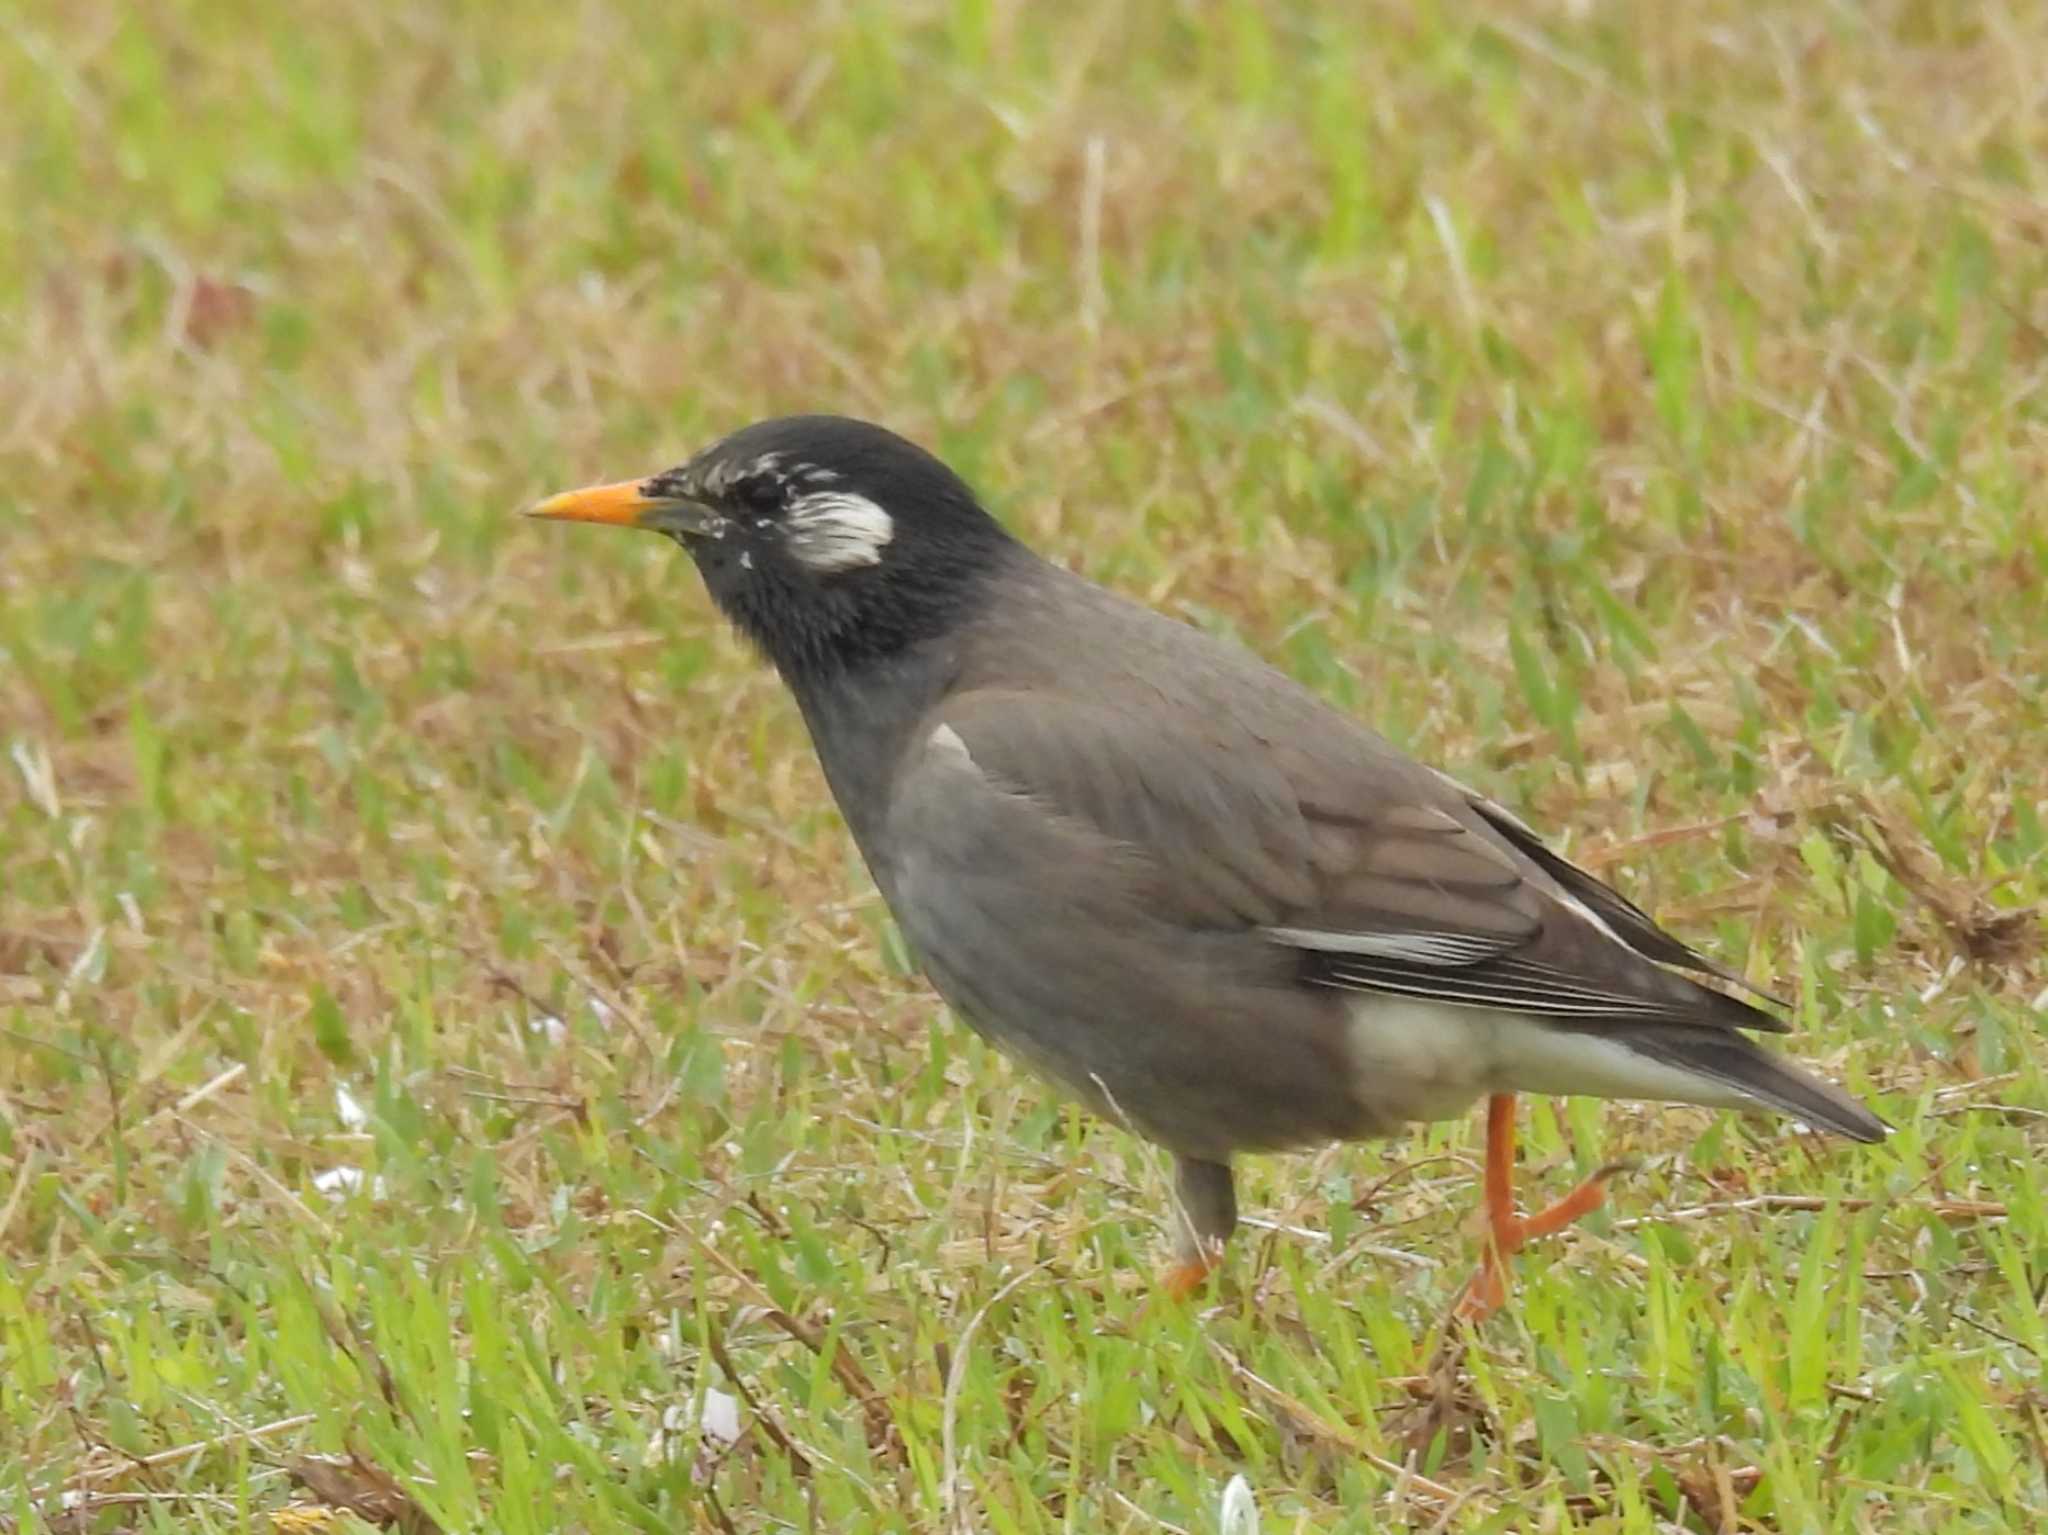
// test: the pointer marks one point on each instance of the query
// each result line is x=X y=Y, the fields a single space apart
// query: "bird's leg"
x=1184 y=1277
x=1506 y=1232
x=1205 y=1198
x=1488 y=1289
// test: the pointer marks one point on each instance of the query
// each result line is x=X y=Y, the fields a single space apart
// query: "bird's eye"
x=758 y=495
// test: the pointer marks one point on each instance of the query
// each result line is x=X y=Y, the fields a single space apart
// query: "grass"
x=442 y=1020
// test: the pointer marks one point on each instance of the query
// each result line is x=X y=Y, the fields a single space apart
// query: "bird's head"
x=826 y=540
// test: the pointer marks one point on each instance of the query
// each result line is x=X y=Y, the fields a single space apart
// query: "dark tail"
x=1757 y=1073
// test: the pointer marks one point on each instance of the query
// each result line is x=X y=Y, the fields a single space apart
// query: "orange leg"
x=1183 y=1279
x=1506 y=1232
x=1205 y=1200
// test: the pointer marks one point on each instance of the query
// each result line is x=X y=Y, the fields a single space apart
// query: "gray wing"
x=1076 y=948
x=1376 y=875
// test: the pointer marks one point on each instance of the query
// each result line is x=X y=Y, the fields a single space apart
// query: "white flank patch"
x=833 y=530
x=1416 y=1060
x=947 y=739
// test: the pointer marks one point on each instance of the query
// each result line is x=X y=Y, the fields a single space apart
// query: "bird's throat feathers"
x=818 y=627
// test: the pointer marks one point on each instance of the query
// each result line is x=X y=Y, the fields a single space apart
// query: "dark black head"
x=827 y=541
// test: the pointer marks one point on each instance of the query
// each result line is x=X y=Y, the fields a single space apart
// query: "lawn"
x=444 y=1027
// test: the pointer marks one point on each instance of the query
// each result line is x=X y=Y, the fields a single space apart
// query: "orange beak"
x=629 y=505
x=623 y=504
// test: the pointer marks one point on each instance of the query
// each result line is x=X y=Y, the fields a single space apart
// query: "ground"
x=443 y=1022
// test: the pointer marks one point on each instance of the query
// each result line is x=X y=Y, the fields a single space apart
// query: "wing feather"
x=1418 y=889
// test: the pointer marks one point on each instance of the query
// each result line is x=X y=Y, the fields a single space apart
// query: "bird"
x=1163 y=875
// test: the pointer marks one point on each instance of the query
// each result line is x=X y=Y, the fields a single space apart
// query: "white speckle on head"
x=746 y=559
x=832 y=530
x=721 y=474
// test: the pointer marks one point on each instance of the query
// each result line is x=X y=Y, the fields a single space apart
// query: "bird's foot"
x=1186 y=1277
x=1506 y=1231
x=1488 y=1290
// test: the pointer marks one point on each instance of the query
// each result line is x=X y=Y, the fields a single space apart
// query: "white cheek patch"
x=831 y=530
